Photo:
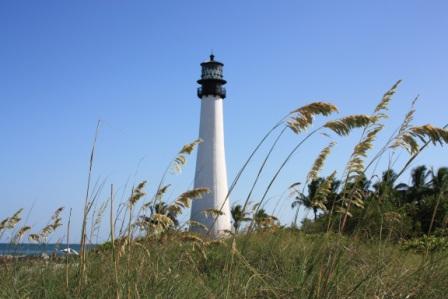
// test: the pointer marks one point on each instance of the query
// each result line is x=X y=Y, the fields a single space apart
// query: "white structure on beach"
x=211 y=161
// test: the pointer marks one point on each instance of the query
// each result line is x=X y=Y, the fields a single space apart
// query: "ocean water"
x=35 y=249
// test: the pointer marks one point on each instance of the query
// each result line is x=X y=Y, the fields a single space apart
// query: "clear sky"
x=134 y=65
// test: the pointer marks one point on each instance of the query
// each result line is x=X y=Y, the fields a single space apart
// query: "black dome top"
x=212 y=78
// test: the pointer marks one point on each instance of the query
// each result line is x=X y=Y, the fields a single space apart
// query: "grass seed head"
x=387 y=97
x=319 y=162
x=302 y=118
x=345 y=125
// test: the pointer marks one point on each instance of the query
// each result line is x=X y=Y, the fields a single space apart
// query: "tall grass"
x=272 y=264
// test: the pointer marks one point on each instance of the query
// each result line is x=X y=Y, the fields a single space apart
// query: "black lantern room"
x=212 y=79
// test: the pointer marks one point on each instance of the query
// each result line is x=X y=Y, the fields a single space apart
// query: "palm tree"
x=438 y=179
x=297 y=202
x=162 y=208
x=313 y=187
x=309 y=201
x=415 y=195
x=420 y=177
x=239 y=216
x=263 y=220
x=386 y=188
x=334 y=197
x=359 y=183
x=419 y=186
x=439 y=186
x=305 y=200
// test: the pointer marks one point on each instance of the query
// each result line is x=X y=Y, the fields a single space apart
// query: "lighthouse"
x=211 y=169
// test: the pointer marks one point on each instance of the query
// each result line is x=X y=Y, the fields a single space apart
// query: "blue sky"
x=134 y=65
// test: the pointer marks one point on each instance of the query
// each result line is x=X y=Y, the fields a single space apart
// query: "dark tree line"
x=401 y=210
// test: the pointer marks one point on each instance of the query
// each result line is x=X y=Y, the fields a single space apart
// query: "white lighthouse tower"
x=211 y=169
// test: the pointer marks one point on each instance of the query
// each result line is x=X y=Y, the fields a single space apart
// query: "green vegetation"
x=277 y=263
x=397 y=211
x=370 y=237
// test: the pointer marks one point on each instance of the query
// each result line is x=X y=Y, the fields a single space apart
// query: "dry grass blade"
x=319 y=162
x=343 y=126
x=213 y=213
x=11 y=222
x=409 y=117
x=56 y=221
x=356 y=167
x=34 y=238
x=181 y=160
x=184 y=200
x=192 y=238
x=316 y=108
x=410 y=144
x=161 y=192
x=302 y=117
x=98 y=219
x=425 y=133
x=46 y=231
x=299 y=124
x=162 y=220
x=57 y=213
x=367 y=143
x=192 y=223
x=186 y=197
x=387 y=97
x=219 y=242
x=357 y=198
x=18 y=237
x=434 y=134
x=188 y=148
x=403 y=139
x=344 y=211
x=322 y=192
x=3 y=224
x=137 y=193
x=356 y=163
x=174 y=209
